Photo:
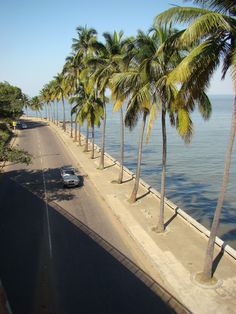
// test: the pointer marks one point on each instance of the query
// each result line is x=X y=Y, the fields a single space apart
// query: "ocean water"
x=194 y=171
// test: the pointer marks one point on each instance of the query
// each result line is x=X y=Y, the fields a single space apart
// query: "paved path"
x=177 y=254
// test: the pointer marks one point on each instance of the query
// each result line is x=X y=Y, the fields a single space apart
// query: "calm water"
x=194 y=171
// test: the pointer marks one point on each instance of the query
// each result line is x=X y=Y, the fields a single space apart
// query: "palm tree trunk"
x=120 y=179
x=76 y=130
x=160 y=225
x=49 y=118
x=54 y=113
x=86 y=139
x=207 y=269
x=92 y=152
x=57 y=114
x=51 y=107
x=50 y=112
x=101 y=164
x=133 y=195
x=71 y=125
x=64 y=114
x=79 y=135
x=46 y=112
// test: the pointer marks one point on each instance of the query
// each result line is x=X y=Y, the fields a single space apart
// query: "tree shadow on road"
x=45 y=184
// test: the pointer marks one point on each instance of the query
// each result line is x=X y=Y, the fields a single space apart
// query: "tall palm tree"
x=105 y=63
x=45 y=98
x=81 y=101
x=92 y=111
x=77 y=102
x=213 y=30
x=80 y=51
x=54 y=100
x=157 y=64
x=71 y=70
x=121 y=60
x=36 y=104
x=136 y=89
x=61 y=92
x=26 y=102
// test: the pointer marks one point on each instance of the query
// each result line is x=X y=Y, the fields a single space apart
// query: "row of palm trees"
x=162 y=72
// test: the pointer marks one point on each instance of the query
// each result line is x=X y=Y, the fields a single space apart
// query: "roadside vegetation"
x=12 y=101
x=164 y=72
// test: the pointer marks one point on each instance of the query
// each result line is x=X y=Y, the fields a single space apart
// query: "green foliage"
x=4 y=133
x=14 y=154
x=7 y=153
x=11 y=102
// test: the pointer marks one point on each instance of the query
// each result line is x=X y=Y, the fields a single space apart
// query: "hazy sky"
x=36 y=35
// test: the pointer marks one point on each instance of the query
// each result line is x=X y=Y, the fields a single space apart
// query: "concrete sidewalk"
x=178 y=253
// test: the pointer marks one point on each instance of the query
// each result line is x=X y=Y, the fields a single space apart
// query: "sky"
x=36 y=35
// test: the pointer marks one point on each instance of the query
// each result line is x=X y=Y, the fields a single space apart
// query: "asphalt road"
x=47 y=264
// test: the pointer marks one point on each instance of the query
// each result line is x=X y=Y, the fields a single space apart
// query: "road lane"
x=83 y=202
x=47 y=264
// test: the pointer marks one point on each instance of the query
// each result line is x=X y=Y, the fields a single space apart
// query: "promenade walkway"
x=175 y=256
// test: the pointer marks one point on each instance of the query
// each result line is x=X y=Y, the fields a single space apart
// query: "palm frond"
x=205 y=25
x=201 y=60
x=179 y=15
x=221 y=6
x=204 y=106
x=184 y=125
x=153 y=113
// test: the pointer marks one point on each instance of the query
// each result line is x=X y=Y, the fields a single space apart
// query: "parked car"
x=23 y=126
x=69 y=177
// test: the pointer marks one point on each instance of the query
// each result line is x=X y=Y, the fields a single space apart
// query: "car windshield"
x=70 y=172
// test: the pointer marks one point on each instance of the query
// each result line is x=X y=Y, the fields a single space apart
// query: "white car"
x=69 y=177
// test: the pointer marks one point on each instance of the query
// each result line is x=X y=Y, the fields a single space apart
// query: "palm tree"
x=81 y=50
x=61 y=92
x=122 y=60
x=35 y=104
x=213 y=30
x=92 y=111
x=71 y=71
x=81 y=101
x=78 y=99
x=53 y=98
x=136 y=89
x=26 y=102
x=157 y=64
x=45 y=98
x=105 y=63
x=118 y=103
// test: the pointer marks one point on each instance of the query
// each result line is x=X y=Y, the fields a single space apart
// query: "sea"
x=194 y=170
